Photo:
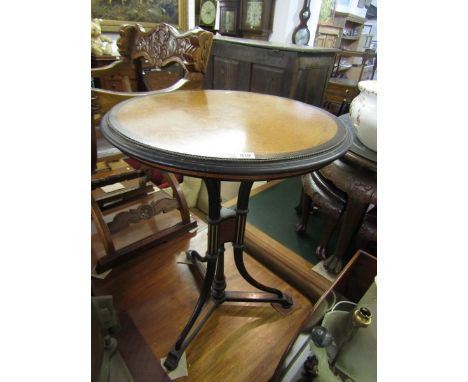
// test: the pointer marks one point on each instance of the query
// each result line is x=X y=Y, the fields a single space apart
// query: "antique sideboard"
x=286 y=70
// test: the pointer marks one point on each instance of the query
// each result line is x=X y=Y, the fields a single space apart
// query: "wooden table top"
x=227 y=135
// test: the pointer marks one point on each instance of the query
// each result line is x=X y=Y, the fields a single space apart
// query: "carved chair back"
x=159 y=47
x=162 y=46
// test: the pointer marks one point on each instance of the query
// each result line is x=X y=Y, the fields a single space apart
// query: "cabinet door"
x=268 y=80
x=247 y=68
x=226 y=74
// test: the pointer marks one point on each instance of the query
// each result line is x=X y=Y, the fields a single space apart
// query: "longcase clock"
x=229 y=17
x=257 y=18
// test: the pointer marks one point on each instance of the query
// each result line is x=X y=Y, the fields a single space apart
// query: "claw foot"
x=321 y=252
x=301 y=228
x=333 y=265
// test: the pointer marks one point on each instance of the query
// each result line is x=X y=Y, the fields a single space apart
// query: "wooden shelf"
x=351 y=18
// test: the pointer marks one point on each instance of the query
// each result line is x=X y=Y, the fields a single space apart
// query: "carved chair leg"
x=330 y=225
x=301 y=226
x=361 y=242
x=367 y=232
x=352 y=219
x=300 y=205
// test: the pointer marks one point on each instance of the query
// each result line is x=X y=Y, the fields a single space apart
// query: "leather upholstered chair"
x=142 y=53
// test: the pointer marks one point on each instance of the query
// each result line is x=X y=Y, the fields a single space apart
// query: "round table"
x=232 y=136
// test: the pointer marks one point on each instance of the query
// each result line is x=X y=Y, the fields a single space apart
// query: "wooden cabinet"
x=286 y=70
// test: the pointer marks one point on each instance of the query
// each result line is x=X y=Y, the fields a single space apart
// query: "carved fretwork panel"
x=163 y=45
x=143 y=212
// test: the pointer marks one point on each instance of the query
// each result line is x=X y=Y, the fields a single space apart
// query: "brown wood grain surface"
x=224 y=124
x=239 y=342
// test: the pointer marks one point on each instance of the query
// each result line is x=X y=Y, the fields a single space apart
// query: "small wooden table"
x=356 y=175
x=232 y=136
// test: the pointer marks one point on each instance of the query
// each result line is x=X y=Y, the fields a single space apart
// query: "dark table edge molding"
x=231 y=169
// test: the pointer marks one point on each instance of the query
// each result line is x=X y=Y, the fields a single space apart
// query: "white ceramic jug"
x=363 y=113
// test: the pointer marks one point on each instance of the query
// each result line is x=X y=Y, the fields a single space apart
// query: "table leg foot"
x=187 y=333
x=172 y=360
x=239 y=260
x=197 y=261
x=173 y=357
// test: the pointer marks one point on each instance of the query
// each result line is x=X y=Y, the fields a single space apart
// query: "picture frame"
x=148 y=13
x=327 y=12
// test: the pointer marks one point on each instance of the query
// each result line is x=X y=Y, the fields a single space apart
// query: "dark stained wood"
x=360 y=185
x=285 y=263
x=227 y=77
x=320 y=193
x=240 y=342
x=301 y=72
x=234 y=7
x=288 y=265
x=267 y=80
x=344 y=190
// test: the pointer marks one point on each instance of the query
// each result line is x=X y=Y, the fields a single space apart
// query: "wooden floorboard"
x=239 y=342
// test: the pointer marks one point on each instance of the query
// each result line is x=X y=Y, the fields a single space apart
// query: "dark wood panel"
x=268 y=80
x=265 y=56
x=315 y=84
x=300 y=74
x=226 y=73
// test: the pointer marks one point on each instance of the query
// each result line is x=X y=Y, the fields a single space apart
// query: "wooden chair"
x=141 y=52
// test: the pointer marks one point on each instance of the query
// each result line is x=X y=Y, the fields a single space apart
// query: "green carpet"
x=273 y=212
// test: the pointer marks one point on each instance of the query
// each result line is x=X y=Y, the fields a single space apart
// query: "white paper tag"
x=245 y=155
x=112 y=187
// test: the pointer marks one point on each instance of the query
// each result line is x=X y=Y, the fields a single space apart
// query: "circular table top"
x=227 y=135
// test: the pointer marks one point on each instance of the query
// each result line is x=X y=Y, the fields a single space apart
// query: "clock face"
x=208 y=13
x=302 y=36
x=253 y=19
